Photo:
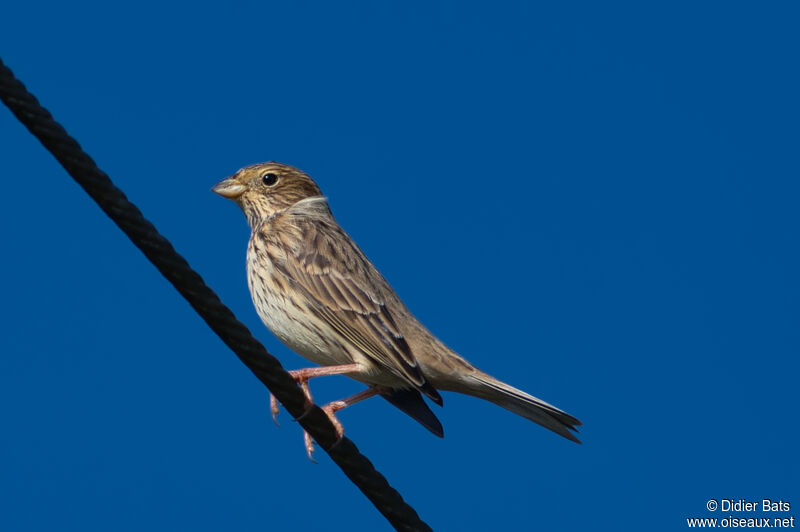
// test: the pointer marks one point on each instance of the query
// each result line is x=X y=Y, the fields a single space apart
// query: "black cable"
x=174 y=267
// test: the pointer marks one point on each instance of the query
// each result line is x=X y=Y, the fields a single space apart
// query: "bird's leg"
x=334 y=406
x=330 y=409
x=301 y=377
x=302 y=381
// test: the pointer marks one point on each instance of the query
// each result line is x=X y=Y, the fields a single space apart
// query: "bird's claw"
x=301 y=378
x=309 y=442
x=274 y=409
x=330 y=410
x=303 y=383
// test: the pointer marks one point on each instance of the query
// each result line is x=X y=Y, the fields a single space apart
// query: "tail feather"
x=411 y=402
x=527 y=406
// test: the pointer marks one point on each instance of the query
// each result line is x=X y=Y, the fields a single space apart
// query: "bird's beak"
x=229 y=188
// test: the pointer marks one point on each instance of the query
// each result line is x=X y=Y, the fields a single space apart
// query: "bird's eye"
x=270 y=179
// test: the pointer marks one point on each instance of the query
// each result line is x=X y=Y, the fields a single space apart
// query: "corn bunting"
x=318 y=293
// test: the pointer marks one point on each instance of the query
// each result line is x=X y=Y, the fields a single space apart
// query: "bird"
x=317 y=291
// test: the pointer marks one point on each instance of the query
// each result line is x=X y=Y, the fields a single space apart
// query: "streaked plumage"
x=319 y=294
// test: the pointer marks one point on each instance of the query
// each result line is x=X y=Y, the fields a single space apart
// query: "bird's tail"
x=487 y=387
x=411 y=402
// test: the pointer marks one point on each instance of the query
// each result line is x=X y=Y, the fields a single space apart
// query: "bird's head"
x=263 y=189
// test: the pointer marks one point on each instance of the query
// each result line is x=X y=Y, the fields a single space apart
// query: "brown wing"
x=345 y=291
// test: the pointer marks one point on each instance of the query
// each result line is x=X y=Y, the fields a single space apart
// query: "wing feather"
x=346 y=293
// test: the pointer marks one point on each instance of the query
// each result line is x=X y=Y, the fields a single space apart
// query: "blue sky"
x=594 y=202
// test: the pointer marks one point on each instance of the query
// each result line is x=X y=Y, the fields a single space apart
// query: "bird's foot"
x=302 y=381
x=330 y=410
x=302 y=376
x=309 y=444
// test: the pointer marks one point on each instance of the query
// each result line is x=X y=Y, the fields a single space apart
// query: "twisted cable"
x=206 y=303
